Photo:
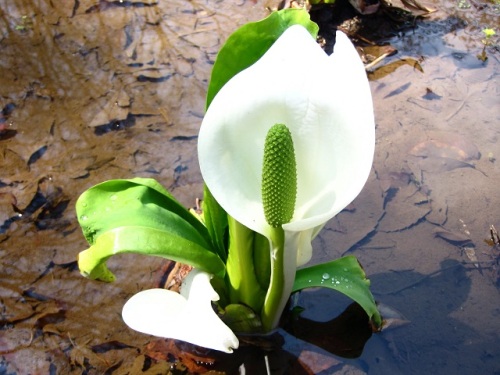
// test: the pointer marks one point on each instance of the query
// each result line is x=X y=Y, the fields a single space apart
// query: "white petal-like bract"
x=188 y=316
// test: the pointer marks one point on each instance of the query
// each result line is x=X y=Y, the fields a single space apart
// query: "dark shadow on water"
x=433 y=336
x=344 y=335
x=304 y=347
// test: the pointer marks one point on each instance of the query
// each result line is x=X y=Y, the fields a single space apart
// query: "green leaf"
x=157 y=223
x=241 y=319
x=146 y=241
x=344 y=275
x=247 y=45
x=136 y=202
x=215 y=219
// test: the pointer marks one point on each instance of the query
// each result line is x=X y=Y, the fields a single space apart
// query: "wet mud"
x=93 y=89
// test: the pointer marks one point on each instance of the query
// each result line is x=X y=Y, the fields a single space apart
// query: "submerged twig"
x=495 y=238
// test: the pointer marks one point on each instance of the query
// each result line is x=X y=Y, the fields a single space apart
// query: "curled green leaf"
x=241 y=318
x=344 y=275
x=145 y=241
x=138 y=201
x=215 y=219
x=140 y=216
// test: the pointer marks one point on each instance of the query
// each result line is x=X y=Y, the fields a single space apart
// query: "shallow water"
x=93 y=90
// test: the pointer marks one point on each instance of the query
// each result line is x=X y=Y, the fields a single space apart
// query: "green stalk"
x=262 y=260
x=243 y=285
x=273 y=304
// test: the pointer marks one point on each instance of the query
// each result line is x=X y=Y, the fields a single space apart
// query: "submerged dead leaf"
x=172 y=274
x=417 y=8
x=110 y=345
x=394 y=180
x=7 y=207
x=194 y=358
x=451 y=148
x=392 y=318
x=452 y=237
x=470 y=252
x=145 y=366
x=317 y=362
x=494 y=237
x=445 y=151
x=81 y=354
x=393 y=66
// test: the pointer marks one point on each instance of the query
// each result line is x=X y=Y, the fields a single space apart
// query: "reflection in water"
x=92 y=90
x=344 y=335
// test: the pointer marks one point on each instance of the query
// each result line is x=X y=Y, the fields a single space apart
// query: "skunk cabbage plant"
x=332 y=140
x=287 y=142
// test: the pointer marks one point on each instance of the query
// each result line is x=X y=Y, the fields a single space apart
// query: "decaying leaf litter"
x=86 y=97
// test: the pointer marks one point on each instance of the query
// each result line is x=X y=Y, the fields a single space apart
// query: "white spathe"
x=326 y=103
x=188 y=316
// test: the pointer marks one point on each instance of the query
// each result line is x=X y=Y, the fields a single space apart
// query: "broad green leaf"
x=145 y=241
x=158 y=224
x=344 y=275
x=136 y=202
x=215 y=219
x=247 y=44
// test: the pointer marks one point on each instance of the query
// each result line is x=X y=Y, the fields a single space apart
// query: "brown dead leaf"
x=449 y=146
x=417 y=8
x=110 y=345
x=393 y=66
x=51 y=328
x=452 y=237
x=145 y=366
x=194 y=358
x=82 y=355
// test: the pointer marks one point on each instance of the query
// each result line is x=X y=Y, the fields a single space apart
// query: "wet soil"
x=92 y=90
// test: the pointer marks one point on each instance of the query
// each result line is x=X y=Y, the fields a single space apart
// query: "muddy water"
x=92 y=90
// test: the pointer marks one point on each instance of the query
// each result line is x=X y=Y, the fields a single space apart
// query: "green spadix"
x=279 y=176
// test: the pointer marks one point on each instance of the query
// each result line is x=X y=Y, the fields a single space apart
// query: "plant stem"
x=276 y=294
x=243 y=284
x=262 y=260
